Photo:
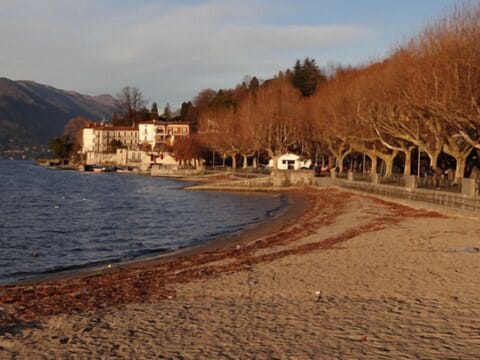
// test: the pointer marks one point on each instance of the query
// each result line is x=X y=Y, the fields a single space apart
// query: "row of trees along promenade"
x=424 y=98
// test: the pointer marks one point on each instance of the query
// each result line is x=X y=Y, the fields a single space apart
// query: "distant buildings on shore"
x=140 y=145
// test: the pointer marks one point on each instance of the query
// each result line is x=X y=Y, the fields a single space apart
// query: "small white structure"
x=166 y=159
x=291 y=162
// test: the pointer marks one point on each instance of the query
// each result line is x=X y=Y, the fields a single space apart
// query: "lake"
x=52 y=220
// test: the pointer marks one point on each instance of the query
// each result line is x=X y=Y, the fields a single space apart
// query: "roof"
x=110 y=127
x=161 y=122
x=134 y=127
x=289 y=156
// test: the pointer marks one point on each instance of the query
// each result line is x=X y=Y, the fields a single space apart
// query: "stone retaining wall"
x=285 y=178
x=443 y=198
x=467 y=200
x=174 y=172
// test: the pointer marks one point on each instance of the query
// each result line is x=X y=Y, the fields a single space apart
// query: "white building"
x=99 y=137
x=146 y=133
x=136 y=146
x=290 y=162
x=88 y=142
x=156 y=135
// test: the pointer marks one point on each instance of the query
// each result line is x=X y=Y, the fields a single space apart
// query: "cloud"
x=169 y=51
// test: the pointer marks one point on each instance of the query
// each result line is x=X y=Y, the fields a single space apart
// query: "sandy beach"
x=342 y=276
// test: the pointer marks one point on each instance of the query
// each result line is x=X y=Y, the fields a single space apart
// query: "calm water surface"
x=74 y=220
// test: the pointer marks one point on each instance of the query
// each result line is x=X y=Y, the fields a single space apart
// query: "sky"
x=171 y=50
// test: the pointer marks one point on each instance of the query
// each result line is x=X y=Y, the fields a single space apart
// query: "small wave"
x=143 y=253
x=59 y=231
x=26 y=275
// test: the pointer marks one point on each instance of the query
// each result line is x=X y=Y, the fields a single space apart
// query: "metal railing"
x=362 y=177
x=394 y=179
x=438 y=183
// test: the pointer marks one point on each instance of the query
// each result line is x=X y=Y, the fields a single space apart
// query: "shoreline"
x=184 y=183
x=351 y=275
x=295 y=205
x=32 y=307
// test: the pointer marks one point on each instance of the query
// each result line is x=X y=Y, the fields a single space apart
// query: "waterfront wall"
x=286 y=178
x=122 y=157
x=95 y=158
x=468 y=199
x=174 y=171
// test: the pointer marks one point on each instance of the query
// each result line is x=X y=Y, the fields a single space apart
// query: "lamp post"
x=418 y=162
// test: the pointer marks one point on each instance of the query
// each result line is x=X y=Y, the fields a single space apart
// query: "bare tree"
x=131 y=102
x=277 y=126
x=73 y=129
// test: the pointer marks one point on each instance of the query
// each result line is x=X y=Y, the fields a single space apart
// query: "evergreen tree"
x=154 y=111
x=184 y=110
x=143 y=115
x=254 y=84
x=306 y=76
x=167 y=112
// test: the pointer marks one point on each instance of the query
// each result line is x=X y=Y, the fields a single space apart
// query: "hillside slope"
x=32 y=113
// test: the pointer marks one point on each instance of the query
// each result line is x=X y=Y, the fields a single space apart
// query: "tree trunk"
x=460 y=157
x=388 y=166
x=433 y=156
x=373 y=167
x=254 y=162
x=331 y=161
x=234 y=161
x=245 y=161
x=341 y=159
x=340 y=164
x=274 y=157
x=408 y=162
x=460 y=168
x=275 y=161
x=340 y=152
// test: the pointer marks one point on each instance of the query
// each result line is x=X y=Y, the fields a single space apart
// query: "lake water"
x=74 y=220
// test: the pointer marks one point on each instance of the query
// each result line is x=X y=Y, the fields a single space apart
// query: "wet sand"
x=348 y=276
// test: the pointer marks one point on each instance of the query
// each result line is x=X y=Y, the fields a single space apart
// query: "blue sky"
x=173 y=49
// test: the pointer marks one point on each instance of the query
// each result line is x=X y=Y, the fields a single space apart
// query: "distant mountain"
x=32 y=113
